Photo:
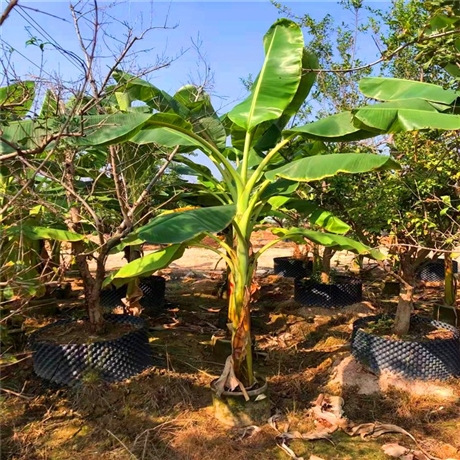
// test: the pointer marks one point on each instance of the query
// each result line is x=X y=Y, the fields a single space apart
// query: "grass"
x=165 y=413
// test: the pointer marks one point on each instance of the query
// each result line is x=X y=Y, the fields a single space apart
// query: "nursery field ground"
x=165 y=413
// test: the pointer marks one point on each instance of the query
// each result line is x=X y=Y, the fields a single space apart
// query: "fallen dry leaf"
x=327 y=411
x=394 y=450
x=248 y=432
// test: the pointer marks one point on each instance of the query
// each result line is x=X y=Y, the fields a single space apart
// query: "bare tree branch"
x=387 y=56
x=9 y=8
x=154 y=180
x=37 y=150
x=77 y=196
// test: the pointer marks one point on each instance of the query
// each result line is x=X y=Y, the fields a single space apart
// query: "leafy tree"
x=76 y=148
x=404 y=203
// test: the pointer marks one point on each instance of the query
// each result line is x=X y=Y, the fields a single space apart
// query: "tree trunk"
x=95 y=310
x=91 y=285
x=403 y=311
x=405 y=303
x=241 y=334
x=326 y=265
x=449 y=281
x=448 y=312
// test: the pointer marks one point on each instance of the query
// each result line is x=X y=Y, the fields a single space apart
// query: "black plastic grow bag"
x=292 y=268
x=344 y=291
x=153 y=299
x=113 y=360
x=433 y=270
x=425 y=360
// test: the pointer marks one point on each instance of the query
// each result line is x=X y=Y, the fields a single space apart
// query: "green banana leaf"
x=198 y=170
x=388 y=89
x=202 y=114
x=309 y=61
x=207 y=124
x=17 y=99
x=43 y=233
x=146 y=265
x=132 y=89
x=321 y=166
x=336 y=128
x=51 y=105
x=111 y=129
x=415 y=104
x=280 y=187
x=177 y=227
x=166 y=129
x=263 y=135
x=394 y=120
x=312 y=212
x=337 y=242
x=131 y=240
x=278 y=80
x=96 y=130
x=273 y=133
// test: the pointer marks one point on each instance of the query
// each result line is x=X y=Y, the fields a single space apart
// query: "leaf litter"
x=328 y=416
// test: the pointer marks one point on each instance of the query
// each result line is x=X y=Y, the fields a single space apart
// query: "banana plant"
x=248 y=149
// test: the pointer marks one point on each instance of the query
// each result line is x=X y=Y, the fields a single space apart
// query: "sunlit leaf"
x=321 y=166
x=337 y=242
x=178 y=227
x=278 y=80
x=146 y=265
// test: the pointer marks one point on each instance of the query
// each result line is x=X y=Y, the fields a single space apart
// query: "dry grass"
x=165 y=413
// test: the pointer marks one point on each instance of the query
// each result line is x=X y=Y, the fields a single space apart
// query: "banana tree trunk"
x=224 y=289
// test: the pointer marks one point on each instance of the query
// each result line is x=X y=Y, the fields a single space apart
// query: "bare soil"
x=165 y=412
x=80 y=332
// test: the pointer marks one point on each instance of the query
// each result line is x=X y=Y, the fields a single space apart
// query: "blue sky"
x=231 y=34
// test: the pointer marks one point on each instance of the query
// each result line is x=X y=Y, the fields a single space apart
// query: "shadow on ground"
x=164 y=413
